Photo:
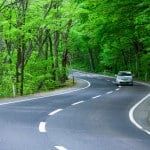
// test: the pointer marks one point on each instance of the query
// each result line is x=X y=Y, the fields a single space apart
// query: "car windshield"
x=124 y=74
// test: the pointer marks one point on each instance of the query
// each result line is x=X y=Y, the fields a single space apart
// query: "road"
x=94 y=118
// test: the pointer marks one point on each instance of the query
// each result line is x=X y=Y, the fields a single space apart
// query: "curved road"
x=94 y=118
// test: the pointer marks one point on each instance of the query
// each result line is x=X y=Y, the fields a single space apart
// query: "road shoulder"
x=80 y=84
x=141 y=114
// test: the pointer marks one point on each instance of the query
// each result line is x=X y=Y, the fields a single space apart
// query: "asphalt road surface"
x=94 y=118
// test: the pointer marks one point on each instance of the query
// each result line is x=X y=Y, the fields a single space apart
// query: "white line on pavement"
x=96 y=96
x=109 y=92
x=60 y=148
x=77 y=103
x=118 y=89
x=42 y=127
x=148 y=132
x=55 y=112
x=131 y=115
x=40 y=97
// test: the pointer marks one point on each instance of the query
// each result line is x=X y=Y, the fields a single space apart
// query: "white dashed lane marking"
x=42 y=127
x=55 y=112
x=118 y=89
x=109 y=92
x=77 y=103
x=96 y=96
x=60 y=148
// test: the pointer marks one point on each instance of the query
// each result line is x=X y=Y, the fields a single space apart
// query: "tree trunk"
x=17 y=70
x=22 y=68
x=22 y=7
x=124 y=59
x=52 y=57
x=65 y=36
x=64 y=65
x=92 y=64
x=56 y=44
x=138 y=51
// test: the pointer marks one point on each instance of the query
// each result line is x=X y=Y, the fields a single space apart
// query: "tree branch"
x=49 y=8
x=2 y=7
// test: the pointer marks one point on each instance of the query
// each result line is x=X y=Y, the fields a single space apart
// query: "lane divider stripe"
x=109 y=92
x=60 y=148
x=55 y=112
x=97 y=96
x=42 y=127
x=77 y=103
x=118 y=89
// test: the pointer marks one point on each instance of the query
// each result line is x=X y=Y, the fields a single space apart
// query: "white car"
x=124 y=78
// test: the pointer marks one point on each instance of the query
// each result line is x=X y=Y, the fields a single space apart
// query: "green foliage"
x=39 y=39
x=31 y=54
x=40 y=69
x=7 y=72
x=118 y=34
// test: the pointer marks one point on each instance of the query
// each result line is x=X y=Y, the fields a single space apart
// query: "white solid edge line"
x=42 y=127
x=148 y=132
x=96 y=96
x=109 y=92
x=60 y=148
x=55 y=112
x=131 y=116
x=89 y=84
x=77 y=103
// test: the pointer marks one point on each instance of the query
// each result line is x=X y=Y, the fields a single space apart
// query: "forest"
x=41 y=40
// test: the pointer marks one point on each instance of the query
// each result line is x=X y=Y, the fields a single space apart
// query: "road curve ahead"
x=94 y=118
